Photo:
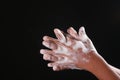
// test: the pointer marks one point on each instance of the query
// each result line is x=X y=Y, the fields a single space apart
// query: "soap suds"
x=62 y=50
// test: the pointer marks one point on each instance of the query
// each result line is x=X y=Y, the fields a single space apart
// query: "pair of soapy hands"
x=71 y=50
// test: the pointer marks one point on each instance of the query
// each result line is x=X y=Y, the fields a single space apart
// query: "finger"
x=57 y=66
x=60 y=67
x=47 y=38
x=50 y=44
x=54 y=65
x=72 y=32
x=50 y=57
x=59 y=35
x=52 y=54
x=45 y=51
x=57 y=47
x=82 y=31
x=70 y=41
x=50 y=39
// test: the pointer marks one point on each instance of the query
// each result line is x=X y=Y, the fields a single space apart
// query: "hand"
x=68 y=51
x=76 y=51
x=81 y=36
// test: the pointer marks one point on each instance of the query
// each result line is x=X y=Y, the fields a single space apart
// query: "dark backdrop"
x=25 y=23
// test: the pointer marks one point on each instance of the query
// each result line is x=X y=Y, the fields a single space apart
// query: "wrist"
x=93 y=59
x=101 y=69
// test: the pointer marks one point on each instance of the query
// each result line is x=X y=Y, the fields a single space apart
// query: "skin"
x=76 y=51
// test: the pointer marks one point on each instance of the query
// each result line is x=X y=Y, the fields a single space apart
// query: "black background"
x=25 y=23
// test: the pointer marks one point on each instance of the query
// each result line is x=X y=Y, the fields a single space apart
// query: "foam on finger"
x=59 y=35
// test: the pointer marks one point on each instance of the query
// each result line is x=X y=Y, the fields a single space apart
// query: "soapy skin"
x=76 y=51
x=68 y=51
